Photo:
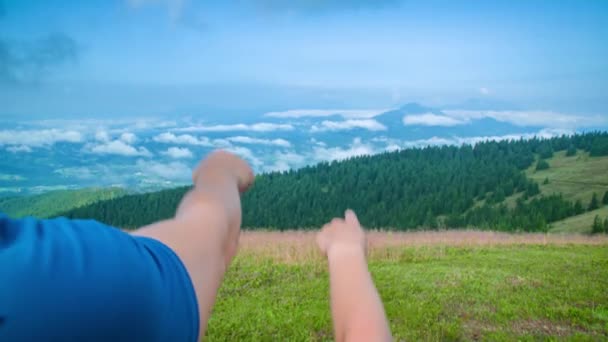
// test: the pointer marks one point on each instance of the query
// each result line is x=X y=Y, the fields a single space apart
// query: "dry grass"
x=299 y=246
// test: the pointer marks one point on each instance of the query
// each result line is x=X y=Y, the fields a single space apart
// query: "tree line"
x=431 y=187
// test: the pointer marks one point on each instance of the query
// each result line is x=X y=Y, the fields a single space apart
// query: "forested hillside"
x=433 y=187
x=55 y=202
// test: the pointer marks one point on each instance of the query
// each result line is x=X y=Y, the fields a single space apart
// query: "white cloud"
x=11 y=178
x=38 y=138
x=184 y=139
x=222 y=143
x=246 y=153
x=102 y=136
x=345 y=113
x=546 y=133
x=433 y=141
x=75 y=172
x=369 y=124
x=249 y=140
x=430 y=119
x=146 y=124
x=317 y=142
x=392 y=148
x=19 y=148
x=128 y=138
x=257 y=127
x=529 y=118
x=178 y=153
x=457 y=141
x=173 y=170
x=357 y=148
x=118 y=147
x=484 y=91
x=284 y=161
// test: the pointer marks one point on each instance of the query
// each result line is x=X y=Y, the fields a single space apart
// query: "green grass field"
x=52 y=203
x=437 y=293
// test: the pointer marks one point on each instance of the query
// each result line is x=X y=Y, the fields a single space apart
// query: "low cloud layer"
x=472 y=140
x=345 y=113
x=523 y=118
x=256 y=141
x=118 y=147
x=257 y=127
x=183 y=139
x=332 y=126
x=246 y=154
x=356 y=148
x=430 y=119
x=174 y=171
x=529 y=118
x=178 y=153
x=102 y=153
x=39 y=138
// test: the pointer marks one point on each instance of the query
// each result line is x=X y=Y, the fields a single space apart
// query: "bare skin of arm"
x=357 y=309
x=204 y=232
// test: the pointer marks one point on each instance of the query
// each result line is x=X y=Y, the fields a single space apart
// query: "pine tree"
x=571 y=151
x=578 y=207
x=532 y=189
x=594 y=204
x=597 y=226
x=605 y=199
x=542 y=165
x=545 y=150
x=546 y=181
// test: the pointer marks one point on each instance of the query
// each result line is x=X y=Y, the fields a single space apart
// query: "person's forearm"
x=355 y=303
x=209 y=208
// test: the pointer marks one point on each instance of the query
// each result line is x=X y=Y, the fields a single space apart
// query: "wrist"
x=339 y=251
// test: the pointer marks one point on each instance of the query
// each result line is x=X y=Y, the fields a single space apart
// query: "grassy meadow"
x=440 y=286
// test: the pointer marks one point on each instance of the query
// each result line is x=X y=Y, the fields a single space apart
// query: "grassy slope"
x=54 y=202
x=430 y=294
x=580 y=223
x=576 y=177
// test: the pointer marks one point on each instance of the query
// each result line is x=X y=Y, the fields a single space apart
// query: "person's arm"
x=204 y=232
x=357 y=310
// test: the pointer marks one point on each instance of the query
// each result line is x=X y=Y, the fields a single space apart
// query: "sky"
x=132 y=93
x=62 y=58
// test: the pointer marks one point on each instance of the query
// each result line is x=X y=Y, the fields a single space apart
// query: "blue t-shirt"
x=80 y=280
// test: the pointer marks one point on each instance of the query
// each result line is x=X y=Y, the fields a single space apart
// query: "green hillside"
x=492 y=185
x=54 y=202
x=579 y=223
x=576 y=177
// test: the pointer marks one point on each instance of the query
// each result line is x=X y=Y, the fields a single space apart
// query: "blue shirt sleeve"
x=80 y=280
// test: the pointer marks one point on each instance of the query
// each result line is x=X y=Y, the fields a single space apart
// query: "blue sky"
x=136 y=57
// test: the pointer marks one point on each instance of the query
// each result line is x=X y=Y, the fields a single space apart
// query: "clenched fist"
x=220 y=164
x=342 y=235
